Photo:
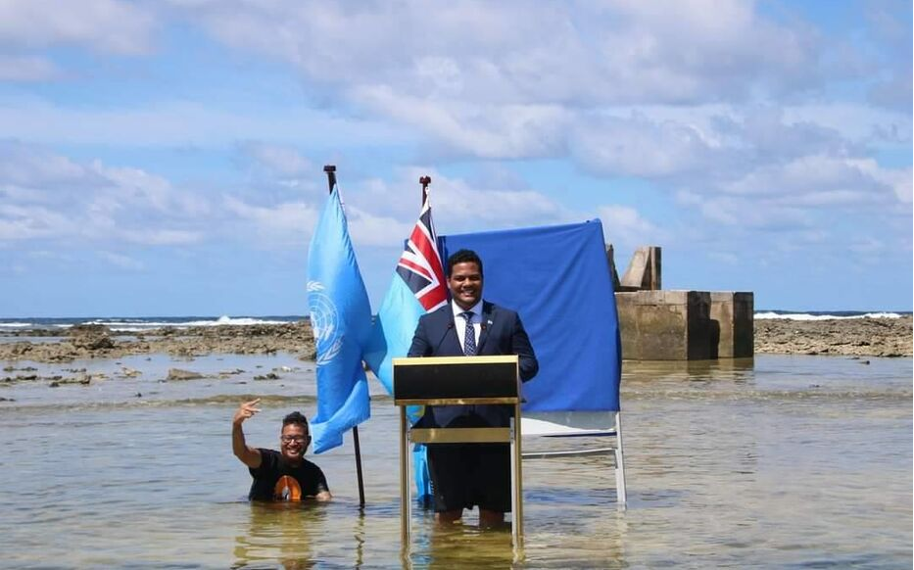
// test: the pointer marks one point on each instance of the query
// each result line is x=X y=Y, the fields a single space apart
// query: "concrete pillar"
x=665 y=325
x=611 y=260
x=643 y=271
x=732 y=325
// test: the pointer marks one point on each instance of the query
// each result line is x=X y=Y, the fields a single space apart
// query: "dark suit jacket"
x=502 y=333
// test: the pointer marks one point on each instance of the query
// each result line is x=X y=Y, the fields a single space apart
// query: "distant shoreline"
x=846 y=337
x=890 y=337
x=98 y=341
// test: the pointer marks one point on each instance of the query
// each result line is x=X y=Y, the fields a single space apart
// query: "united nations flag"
x=341 y=322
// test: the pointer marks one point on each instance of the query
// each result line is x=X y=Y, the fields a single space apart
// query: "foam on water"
x=824 y=316
x=138 y=324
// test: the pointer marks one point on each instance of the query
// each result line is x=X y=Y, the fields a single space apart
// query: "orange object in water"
x=287 y=489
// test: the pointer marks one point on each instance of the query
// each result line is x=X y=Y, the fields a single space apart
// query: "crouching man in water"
x=284 y=475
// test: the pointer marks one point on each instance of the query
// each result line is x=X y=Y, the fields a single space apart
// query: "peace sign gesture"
x=245 y=411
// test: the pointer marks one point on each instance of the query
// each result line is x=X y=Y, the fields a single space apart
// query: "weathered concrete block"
x=665 y=325
x=643 y=271
x=732 y=325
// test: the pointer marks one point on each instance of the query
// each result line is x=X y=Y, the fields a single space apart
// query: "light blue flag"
x=417 y=286
x=341 y=322
x=391 y=336
x=393 y=330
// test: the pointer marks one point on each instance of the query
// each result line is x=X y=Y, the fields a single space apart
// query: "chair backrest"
x=569 y=423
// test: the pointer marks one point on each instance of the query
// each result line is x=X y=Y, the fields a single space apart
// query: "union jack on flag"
x=420 y=264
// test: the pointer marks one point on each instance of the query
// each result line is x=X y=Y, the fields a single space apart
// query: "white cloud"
x=368 y=229
x=724 y=257
x=866 y=245
x=891 y=32
x=741 y=214
x=182 y=123
x=507 y=131
x=487 y=199
x=107 y=26
x=285 y=224
x=27 y=69
x=138 y=187
x=460 y=206
x=47 y=196
x=638 y=146
x=899 y=180
x=22 y=223
x=25 y=166
x=158 y=237
x=624 y=226
x=282 y=160
x=122 y=261
x=804 y=175
x=518 y=52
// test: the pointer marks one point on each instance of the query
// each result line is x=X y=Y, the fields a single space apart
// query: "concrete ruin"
x=678 y=325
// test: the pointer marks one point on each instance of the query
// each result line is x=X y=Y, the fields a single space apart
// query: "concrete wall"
x=732 y=329
x=665 y=325
x=685 y=325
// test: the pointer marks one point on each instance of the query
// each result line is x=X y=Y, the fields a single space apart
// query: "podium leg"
x=517 y=494
x=405 y=495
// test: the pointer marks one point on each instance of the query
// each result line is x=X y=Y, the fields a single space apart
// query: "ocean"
x=139 y=324
x=770 y=462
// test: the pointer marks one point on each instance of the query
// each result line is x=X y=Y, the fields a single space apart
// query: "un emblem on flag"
x=324 y=323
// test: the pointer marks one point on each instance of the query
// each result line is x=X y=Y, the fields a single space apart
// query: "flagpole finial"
x=425 y=181
x=330 y=171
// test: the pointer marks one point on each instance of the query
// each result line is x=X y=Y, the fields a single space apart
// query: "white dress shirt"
x=460 y=323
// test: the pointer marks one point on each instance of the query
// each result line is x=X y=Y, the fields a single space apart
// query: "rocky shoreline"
x=97 y=341
x=848 y=337
x=845 y=337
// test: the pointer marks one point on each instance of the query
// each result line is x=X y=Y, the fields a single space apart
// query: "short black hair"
x=295 y=418
x=463 y=256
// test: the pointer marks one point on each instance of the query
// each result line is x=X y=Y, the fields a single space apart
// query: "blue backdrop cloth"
x=341 y=322
x=558 y=279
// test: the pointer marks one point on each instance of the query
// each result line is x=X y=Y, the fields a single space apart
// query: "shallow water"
x=781 y=462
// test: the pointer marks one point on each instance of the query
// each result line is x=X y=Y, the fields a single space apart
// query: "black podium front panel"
x=455 y=378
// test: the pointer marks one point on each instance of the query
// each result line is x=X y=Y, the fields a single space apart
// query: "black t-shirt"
x=276 y=480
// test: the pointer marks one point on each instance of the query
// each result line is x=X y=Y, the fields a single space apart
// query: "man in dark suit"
x=466 y=475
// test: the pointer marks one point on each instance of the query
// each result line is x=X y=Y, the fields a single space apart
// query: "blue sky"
x=165 y=158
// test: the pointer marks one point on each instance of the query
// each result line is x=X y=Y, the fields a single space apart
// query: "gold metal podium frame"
x=510 y=435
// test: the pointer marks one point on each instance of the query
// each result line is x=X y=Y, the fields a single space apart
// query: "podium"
x=465 y=381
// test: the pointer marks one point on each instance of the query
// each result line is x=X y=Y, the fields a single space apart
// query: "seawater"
x=22 y=325
x=801 y=461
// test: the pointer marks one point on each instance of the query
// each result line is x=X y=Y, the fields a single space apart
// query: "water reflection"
x=282 y=532
x=460 y=545
x=737 y=369
x=782 y=462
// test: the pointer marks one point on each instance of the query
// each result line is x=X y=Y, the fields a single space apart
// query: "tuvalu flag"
x=417 y=287
x=341 y=323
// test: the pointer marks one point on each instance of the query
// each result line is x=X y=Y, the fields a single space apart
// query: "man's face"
x=465 y=282
x=294 y=441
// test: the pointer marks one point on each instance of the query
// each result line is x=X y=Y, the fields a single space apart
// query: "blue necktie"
x=469 y=336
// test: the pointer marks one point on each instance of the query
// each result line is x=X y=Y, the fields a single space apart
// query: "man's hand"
x=248 y=455
x=245 y=411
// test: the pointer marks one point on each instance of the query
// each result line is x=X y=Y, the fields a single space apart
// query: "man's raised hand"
x=245 y=411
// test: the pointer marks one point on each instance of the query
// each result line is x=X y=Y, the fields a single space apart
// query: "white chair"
x=576 y=425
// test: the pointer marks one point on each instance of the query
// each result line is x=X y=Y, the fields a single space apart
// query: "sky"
x=165 y=158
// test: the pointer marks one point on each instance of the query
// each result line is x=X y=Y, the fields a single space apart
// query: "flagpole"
x=424 y=181
x=330 y=171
